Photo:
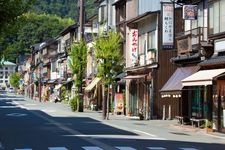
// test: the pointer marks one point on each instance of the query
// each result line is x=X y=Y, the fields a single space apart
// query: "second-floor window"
x=6 y=75
x=53 y=66
x=102 y=12
x=151 y=40
x=216 y=17
x=142 y=44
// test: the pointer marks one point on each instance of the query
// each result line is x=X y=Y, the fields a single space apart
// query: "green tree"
x=63 y=8
x=11 y=9
x=109 y=60
x=29 y=29
x=14 y=79
x=77 y=63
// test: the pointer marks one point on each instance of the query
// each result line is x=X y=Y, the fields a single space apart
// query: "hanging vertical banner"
x=190 y=12
x=134 y=46
x=224 y=118
x=119 y=102
x=167 y=25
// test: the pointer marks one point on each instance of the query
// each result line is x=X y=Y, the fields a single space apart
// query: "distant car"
x=11 y=90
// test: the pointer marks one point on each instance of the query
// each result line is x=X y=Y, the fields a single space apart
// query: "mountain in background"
x=63 y=8
x=45 y=20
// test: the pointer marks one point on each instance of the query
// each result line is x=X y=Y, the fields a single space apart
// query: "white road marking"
x=22 y=149
x=8 y=106
x=92 y=148
x=145 y=133
x=157 y=148
x=188 y=148
x=98 y=136
x=57 y=148
x=30 y=104
x=125 y=148
x=19 y=105
x=10 y=98
x=16 y=115
x=48 y=110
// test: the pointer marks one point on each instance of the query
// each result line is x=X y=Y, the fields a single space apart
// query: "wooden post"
x=164 y=112
x=169 y=115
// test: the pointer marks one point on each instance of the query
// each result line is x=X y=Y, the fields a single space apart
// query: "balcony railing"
x=189 y=42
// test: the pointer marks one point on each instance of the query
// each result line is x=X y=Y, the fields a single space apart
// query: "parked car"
x=10 y=90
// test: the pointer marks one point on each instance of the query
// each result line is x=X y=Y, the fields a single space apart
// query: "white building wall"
x=5 y=71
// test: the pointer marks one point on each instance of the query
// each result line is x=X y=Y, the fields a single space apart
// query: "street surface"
x=26 y=124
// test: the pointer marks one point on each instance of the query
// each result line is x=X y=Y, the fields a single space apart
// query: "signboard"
x=134 y=45
x=119 y=102
x=190 y=12
x=224 y=118
x=219 y=45
x=183 y=45
x=167 y=25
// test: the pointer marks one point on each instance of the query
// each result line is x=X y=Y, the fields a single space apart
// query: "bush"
x=63 y=93
x=73 y=103
x=208 y=124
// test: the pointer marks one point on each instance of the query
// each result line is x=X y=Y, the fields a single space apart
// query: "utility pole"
x=81 y=23
x=81 y=19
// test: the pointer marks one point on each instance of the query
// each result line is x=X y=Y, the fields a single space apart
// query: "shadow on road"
x=38 y=130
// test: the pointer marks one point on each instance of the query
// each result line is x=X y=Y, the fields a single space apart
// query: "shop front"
x=173 y=90
x=206 y=91
x=219 y=104
x=138 y=103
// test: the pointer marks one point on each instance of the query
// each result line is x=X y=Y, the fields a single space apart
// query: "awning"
x=58 y=86
x=174 y=84
x=92 y=84
x=68 y=81
x=134 y=76
x=121 y=75
x=203 y=77
x=52 y=81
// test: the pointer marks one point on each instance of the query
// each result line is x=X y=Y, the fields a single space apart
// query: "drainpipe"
x=151 y=98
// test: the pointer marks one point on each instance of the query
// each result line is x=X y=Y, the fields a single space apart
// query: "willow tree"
x=109 y=62
x=77 y=63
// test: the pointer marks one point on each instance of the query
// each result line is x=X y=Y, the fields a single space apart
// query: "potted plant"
x=208 y=126
x=129 y=111
x=141 y=116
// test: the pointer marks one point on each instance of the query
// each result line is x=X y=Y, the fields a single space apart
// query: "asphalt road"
x=30 y=125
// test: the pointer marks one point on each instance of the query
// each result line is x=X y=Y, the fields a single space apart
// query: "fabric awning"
x=174 y=84
x=134 y=76
x=92 y=84
x=58 y=86
x=202 y=77
x=52 y=81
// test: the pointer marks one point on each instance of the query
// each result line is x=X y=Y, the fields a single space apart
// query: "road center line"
x=145 y=133
x=74 y=132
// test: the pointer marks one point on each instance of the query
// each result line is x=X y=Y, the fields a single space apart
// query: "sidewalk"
x=126 y=123
x=134 y=121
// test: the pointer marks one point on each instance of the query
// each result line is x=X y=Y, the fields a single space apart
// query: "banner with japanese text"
x=167 y=25
x=133 y=45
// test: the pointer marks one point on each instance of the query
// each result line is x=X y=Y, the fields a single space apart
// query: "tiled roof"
x=213 y=61
x=8 y=63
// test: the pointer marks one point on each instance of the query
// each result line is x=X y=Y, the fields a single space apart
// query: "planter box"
x=209 y=130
